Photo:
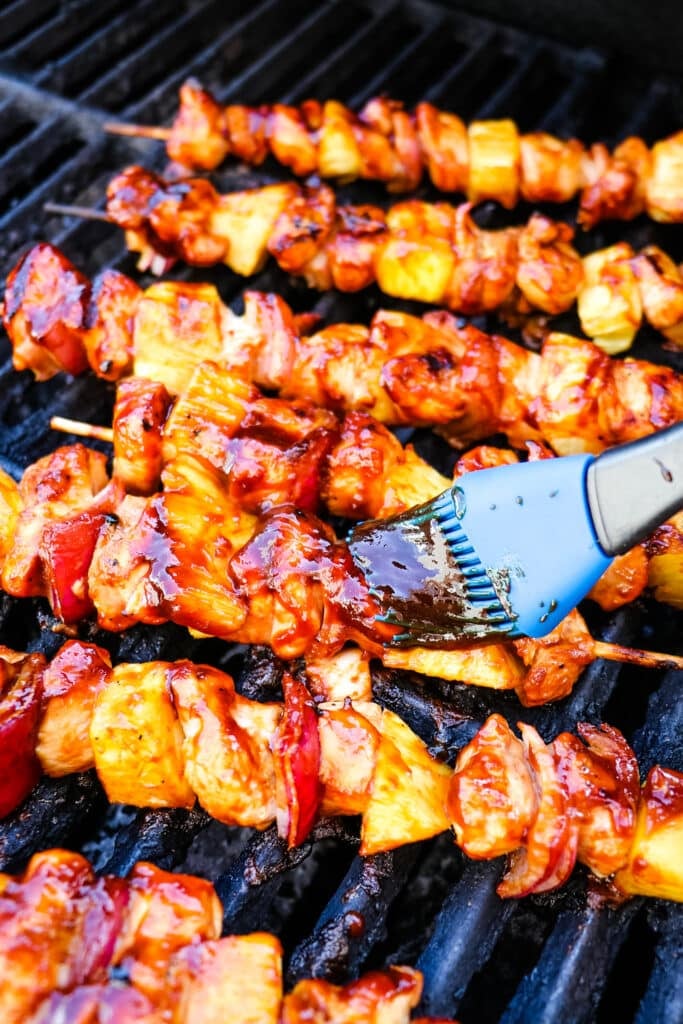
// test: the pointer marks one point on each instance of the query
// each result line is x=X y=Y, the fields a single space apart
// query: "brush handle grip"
x=635 y=487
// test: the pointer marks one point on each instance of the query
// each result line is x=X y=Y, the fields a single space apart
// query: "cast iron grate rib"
x=64 y=69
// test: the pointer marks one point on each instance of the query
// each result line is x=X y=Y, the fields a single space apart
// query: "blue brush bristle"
x=479 y=589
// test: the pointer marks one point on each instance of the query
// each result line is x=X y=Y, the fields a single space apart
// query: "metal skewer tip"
x=79 y=429
x=137 y=131
x=84 y=212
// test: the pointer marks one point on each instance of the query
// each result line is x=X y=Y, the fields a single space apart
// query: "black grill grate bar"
x=637 y=123
x=444 y=723
x=254 y=878
x=57 y=813
x=56 y=34
x=412 y=57
x=21 y=162
x=339 y=65
x=354 y=919
x=38 y=103
x=88 y=61
x=163 y=98
x=663 y=997
x=163 y=835
x=281 y=62
x=465 y=933
x=571 y=973
x=19 y=16
x=135 y=73
x=472 y=67
x=561 y=118
x=498 y=103
x=660 y=738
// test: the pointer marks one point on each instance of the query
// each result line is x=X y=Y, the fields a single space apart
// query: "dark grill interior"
x=64 y=69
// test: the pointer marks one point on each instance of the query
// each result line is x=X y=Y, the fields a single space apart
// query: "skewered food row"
x=383 y=142
x=147 y=949
x=272 y=452
x=429 y=252
x=164 y=734
x=196 y=555
x=402 y=369
x=432 y=253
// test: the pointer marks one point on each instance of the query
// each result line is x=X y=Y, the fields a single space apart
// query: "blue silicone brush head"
x=508 y=552
x=502 y=554
x=429 y=578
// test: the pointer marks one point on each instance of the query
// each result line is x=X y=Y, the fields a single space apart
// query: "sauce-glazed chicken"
x=223 y=551
x=330 y=750
x=432 y=253
x=147 y=949
x=384 y=142
x=402 y=369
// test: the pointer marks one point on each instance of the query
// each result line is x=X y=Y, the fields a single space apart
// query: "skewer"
x=635 y=656
x=483 y=160
x=79 y=429
x=84 y=212
x=601 y=649
x=141 y=131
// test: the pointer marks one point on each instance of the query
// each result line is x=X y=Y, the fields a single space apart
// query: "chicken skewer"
x=296 y=453
x=433 y=253
x=383 y=142
x=402 y=369
x=79 y=928
x=195 y=556
x=248 y=763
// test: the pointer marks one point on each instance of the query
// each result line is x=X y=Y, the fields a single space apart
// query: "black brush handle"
x=635 y=487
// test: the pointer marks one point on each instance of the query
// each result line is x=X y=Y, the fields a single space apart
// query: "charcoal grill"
x=64 y=69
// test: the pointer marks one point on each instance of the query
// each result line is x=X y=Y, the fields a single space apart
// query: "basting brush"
x=508 y=552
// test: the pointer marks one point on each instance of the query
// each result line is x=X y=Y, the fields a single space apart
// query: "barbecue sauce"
x=412 y=572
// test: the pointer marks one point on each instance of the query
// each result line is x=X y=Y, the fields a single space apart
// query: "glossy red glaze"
x=296 y=748
x=45 y=302
x=76 y=665
x=663 y=796
x=20 y=695
x=67 y=548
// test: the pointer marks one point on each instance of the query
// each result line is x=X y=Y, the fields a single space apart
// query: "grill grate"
x=64 y=69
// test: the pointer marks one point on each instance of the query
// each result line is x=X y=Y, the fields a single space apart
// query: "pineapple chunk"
x=655 y=864
x=413 y=269
x=411 y=481
x=247 y=220
x=609 y=304
x=242 y=971
x=665 y=565
x=177 y=325
x=338 y=153
x=664 y=189
x=10 y=507
x=665 y=578
x=409 y=791
x=495 y=665
x=494 y=162
x=137 y=739
x=207 y=414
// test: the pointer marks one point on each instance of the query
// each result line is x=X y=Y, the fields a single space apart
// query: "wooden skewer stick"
x=67 y=426
x=138 y=131
x=84 y=212
x=634 y=656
